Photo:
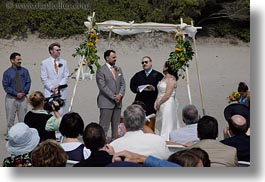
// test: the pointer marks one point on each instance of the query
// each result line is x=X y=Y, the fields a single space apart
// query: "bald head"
x=238 y=124
x=238 y=120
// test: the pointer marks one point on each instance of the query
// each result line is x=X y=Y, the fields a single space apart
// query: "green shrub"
x=57 y=23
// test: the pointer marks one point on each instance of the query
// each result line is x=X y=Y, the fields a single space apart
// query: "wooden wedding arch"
x=125 y=28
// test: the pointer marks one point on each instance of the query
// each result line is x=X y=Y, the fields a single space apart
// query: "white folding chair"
x=243 y=164
x=71 y=163
x=175 y=148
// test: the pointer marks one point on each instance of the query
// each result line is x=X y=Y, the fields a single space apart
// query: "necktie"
x=113 y=72
x=18 y=88
x=55 y=67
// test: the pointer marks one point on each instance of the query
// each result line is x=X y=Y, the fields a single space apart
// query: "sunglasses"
x=144 y=62
x=58 y=50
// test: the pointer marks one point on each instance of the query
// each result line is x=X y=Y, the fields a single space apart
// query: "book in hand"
x=147 y=87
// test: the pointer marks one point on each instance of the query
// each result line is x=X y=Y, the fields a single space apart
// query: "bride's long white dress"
x=167 y=115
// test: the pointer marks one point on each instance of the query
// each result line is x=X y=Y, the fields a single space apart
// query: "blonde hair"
x=36 y=98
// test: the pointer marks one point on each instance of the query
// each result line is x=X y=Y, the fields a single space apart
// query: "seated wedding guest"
x=135 y=139
x=149 y=125
x=244 y=94
x=238 y=128
x=38 y=118
x=21 y=141
x=71 y=127
x=146 y=161
x=203 y=155
x=101 y=153
x=188 y=133
x=236 y=109
x=219 y=154
x=49 y=153
x=185 y=158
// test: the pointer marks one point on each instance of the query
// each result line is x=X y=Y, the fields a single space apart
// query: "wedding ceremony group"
x=127 y=93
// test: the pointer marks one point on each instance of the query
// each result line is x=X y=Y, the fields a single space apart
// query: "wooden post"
x=198 y=73
x=187 y=72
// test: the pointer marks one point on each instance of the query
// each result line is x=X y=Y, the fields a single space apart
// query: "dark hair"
x=107 y=53
x=94 y=137
x=72 y=125
x=170 y=70
x=140 y=103
x=242 y=87
x=13 y=55
x=51 y=46
x=207 y=128
x=185 y=158
x=203 y=156
x=237 y=129
x=190 y=114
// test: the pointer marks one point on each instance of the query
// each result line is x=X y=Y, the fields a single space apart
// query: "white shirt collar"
x=109 y=66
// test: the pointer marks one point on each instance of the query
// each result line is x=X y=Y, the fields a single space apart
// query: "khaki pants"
x=15 y=107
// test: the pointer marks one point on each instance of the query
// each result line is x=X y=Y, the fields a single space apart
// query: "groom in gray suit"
x=111 y=87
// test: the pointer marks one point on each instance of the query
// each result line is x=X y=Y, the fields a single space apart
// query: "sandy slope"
x=222 y=66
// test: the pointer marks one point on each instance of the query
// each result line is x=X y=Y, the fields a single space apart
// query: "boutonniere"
x=60 y=65
x=117 y=68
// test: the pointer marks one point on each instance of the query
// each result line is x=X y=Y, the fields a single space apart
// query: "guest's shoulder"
x=8 y=69
x=24 y=69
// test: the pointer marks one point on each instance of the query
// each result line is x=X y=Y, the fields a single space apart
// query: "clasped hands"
x=117 y=98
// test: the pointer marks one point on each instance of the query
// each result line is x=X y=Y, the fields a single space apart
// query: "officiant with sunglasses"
x=144 y=84
x=54 y=74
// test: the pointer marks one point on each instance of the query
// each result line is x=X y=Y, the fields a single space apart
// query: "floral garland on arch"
x=88 y=47
x=180 y=57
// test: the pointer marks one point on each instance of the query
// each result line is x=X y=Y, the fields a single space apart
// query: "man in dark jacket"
x=144 y=84
x=95 y=139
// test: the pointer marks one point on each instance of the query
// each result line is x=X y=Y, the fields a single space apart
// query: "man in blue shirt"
x=16 y=83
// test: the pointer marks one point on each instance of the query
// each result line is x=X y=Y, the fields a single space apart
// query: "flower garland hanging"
x=180 y=57
x=88 y=47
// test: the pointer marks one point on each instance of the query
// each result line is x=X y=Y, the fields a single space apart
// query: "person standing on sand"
x=150 y=78
x=54 y=73
x=166 y=103
x=16 y=83
x=111 y=85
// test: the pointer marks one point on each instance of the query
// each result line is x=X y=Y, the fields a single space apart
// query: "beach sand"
x=223 y=63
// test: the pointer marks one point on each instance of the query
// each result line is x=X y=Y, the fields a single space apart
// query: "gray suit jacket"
x=108 y=87
x=219 y=154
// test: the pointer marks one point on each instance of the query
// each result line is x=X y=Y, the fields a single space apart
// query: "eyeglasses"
x=58 y=50
x=144 y=62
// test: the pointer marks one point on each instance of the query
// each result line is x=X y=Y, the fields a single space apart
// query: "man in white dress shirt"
x=54 y=73
x=135 y=140
x=188 y=133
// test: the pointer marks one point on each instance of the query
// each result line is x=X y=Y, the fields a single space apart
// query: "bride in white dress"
x=166 y=103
